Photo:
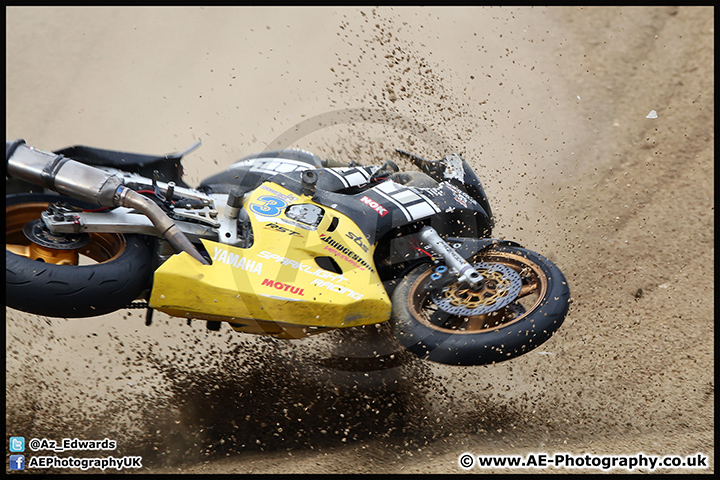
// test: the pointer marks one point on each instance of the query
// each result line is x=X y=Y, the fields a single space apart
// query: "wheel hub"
x=38 y=233
x=500 y=287
x=48 y=247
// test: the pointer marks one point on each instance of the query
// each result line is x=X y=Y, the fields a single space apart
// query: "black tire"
x=507 y=332
x=122 y=272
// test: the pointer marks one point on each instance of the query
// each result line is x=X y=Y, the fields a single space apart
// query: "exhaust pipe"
x=125 y=197
x=91 y=184
x=63 y=175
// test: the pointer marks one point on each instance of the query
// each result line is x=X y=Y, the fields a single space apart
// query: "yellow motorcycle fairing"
x=283 y=285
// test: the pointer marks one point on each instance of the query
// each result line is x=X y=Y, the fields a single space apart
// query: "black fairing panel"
x=249 y=172
x=379 y=214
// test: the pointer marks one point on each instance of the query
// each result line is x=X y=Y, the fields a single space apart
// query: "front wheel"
x=69 y=275
x=521 y=301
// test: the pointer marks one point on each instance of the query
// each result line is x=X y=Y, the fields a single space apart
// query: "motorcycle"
x=281 y=243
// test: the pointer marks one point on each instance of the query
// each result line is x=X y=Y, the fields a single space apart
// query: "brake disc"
x=500 y=287
x=38 y=233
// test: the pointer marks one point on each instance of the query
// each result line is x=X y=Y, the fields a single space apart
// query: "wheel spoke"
x=440 y=318
x=477 y=322
x=527 y=290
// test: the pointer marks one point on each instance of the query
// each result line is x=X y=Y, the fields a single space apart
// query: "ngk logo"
x=382 y=211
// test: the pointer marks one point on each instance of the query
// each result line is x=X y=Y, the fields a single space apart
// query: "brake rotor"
x=500 y=287
x=38 y=233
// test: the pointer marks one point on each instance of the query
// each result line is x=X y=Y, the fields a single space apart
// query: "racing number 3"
x=270 y=206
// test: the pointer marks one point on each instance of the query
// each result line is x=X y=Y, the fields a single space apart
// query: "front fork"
x=466 y=272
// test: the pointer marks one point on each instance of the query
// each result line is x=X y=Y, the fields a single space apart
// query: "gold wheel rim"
x=103 y=247
x=533 y=290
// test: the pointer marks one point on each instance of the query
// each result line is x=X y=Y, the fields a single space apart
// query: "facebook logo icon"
x=17 y=462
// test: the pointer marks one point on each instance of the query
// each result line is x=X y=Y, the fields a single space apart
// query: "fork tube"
x=466 y=272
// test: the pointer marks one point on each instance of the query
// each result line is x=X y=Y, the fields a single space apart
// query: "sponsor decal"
x=461 y=197
x=434 y=191
x=285 y=287
x=237 y=260
x=293 y=223
x=271 y=165
x=337 y=288
x=359 y=240
x=281 y=229
x=311 y=270
x=285 y=196
x=345 y=257
x=340 y=250
x=382 y=211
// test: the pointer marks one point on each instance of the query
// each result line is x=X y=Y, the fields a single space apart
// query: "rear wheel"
x=73 y=275
x=521 y=301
